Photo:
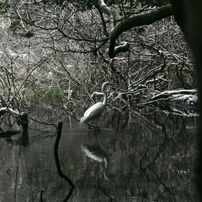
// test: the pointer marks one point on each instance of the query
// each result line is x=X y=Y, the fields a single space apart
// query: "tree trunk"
x=188 y=15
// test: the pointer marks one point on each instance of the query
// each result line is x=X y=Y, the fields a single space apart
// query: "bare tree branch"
x=142 y=19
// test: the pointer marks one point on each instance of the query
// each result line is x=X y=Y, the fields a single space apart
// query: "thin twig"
x=140 y=164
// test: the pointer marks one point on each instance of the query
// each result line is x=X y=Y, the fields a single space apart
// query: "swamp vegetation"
x=55 y=55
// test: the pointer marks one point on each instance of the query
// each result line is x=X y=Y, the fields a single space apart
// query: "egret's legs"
x=97 y=129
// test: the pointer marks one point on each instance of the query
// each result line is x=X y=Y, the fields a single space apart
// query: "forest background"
x=62 y=51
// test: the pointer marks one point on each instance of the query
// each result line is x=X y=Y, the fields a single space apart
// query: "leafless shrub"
x=60 y=52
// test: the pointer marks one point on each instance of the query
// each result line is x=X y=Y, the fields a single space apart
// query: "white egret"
x=96 y=110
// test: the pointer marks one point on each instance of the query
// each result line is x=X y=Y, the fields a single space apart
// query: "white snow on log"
x=6 y=109
x=181 y=95
x=188 y=99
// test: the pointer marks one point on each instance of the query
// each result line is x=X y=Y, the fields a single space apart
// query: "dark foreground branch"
x=60 y=173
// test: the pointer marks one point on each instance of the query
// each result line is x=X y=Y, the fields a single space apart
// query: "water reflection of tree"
x=153 y=161
x=176 y=142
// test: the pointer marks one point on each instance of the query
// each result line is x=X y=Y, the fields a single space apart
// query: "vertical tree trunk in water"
x=192 y=27
x=188 y=14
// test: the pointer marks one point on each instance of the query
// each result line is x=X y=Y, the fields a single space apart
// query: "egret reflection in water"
x=96 y=153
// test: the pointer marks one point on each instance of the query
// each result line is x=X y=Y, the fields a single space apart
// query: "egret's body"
x=96 y=110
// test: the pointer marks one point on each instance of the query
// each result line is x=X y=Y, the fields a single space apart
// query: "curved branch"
x=134 y=21
x=142 y=19
x=122 y=47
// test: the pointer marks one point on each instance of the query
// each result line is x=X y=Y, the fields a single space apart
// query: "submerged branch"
x=60 y=173
x=140 y=164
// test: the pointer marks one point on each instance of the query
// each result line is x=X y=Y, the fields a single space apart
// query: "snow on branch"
x=114 y=48
x=175 y=94
x=4 y=110
x=107 y=10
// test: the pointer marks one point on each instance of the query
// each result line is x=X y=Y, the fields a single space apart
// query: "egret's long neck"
x=105 y=94
x=104 y=85
x=105 y=98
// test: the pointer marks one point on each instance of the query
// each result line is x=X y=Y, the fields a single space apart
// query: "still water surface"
x=146 y=157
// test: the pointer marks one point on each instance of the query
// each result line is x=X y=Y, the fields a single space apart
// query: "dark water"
x=147 y=157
